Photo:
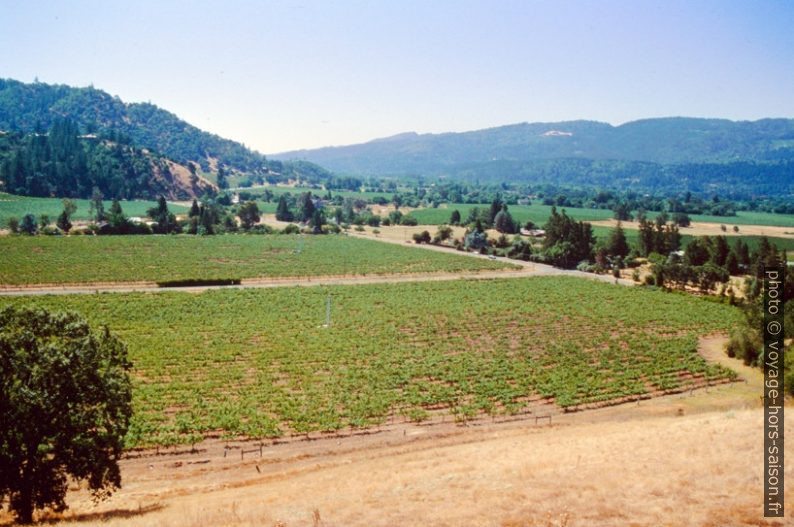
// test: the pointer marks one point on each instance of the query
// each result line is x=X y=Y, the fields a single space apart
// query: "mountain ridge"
x=696 y=154
x=764 y=129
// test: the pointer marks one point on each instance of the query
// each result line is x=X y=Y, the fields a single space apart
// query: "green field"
x=267 y=207
x=538 y=214
x=18 y=206
x=83 y=259
x=257 y=362
x=743 y=218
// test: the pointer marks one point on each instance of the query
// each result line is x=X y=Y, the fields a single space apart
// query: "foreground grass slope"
x=85 y=259
x=258 y=362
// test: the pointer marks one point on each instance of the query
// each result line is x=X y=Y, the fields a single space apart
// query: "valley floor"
x=688 y=459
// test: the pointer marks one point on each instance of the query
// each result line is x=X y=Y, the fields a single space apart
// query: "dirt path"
x=688 y=459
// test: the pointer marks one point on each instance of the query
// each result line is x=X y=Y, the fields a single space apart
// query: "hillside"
x=37 y=107
x=62 y=162
x=699 y=154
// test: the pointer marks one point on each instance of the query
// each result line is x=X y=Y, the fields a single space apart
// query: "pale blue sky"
x=284 y=75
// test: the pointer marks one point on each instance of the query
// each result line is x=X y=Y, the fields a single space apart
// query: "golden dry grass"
x=699 y=228
x=700 y=469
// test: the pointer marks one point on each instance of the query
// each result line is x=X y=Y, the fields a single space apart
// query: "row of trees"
x=497 y=216
x=207 y=217
x=746 y=341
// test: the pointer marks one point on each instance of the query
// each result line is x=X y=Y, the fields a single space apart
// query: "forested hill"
x=126 y=149
x=696 y=154
x=63 y=162
x=24 y=107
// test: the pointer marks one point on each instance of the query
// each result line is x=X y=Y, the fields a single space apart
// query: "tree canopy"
x=65 y=398
x=567 y=241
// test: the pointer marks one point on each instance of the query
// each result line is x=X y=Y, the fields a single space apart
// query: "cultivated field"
x=18 y=206
x=87 y=259
x=539 y=214
x=259 y=363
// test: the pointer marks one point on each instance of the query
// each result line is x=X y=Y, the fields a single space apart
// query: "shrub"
x=745 y=345
x=51 y=231
x=261 y=228
x=28 y=225
x=422 y=237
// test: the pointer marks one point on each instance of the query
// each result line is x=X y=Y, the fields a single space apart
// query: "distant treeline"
x=739 y=180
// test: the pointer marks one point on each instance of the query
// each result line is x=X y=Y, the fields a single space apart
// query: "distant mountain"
x=36 y=107
x=640 y=153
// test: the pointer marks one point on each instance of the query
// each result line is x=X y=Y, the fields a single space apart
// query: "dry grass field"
x=700 y=228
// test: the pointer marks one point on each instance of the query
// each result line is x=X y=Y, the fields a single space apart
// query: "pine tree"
x=317 y=221
x=248 y=214
x=28 y=225
x=64 y=219
x=306 y=207
x=222 y=182
x=282 y=210
x=97 y=208
x=617 y=244
x=496 y=207
x=503 y=221
x=195 y=211
x=116 y=217
x=166 y=221
x=719 y=250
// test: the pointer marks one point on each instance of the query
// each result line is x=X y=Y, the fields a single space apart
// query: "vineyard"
x=260 y=363
x=86 y=259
